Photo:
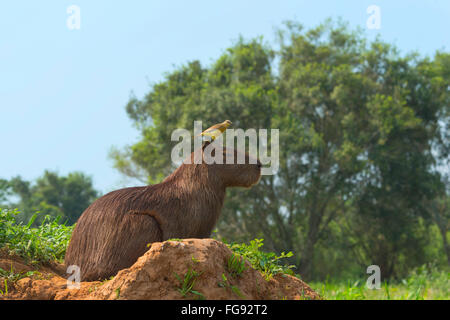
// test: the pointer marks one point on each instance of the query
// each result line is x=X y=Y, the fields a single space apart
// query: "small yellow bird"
x=216 y=130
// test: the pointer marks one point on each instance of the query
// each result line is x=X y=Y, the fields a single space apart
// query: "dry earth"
x=157 y=274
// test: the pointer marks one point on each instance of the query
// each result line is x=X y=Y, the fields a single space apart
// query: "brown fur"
x=114 y=231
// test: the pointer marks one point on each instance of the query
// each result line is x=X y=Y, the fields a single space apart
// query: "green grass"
x=425 y=283
x=187 y=283
x=48 y=242
x=266 y=262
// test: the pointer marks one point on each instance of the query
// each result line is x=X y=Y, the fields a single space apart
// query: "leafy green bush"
x=266 y=262
x=48 y=242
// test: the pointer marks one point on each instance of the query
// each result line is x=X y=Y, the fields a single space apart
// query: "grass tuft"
x=235 y=264
x=187 y=283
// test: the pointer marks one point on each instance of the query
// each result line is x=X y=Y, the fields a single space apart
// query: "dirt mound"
x=187 y=269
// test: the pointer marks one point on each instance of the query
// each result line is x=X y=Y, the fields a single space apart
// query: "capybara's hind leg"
x=129 y=241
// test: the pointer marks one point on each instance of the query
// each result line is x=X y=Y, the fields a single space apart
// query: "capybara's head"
x=232 y=167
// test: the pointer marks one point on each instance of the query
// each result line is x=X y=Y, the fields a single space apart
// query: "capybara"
x=116 y=229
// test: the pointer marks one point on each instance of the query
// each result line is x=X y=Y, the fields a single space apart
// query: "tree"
x=64 y=196
x=439 y=211
x=357 y=126
x=5 y=190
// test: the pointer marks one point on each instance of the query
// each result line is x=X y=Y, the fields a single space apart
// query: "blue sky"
x=63 y=92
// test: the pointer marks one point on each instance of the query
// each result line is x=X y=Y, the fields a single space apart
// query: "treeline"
x=51 y=194
x=364 y=145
